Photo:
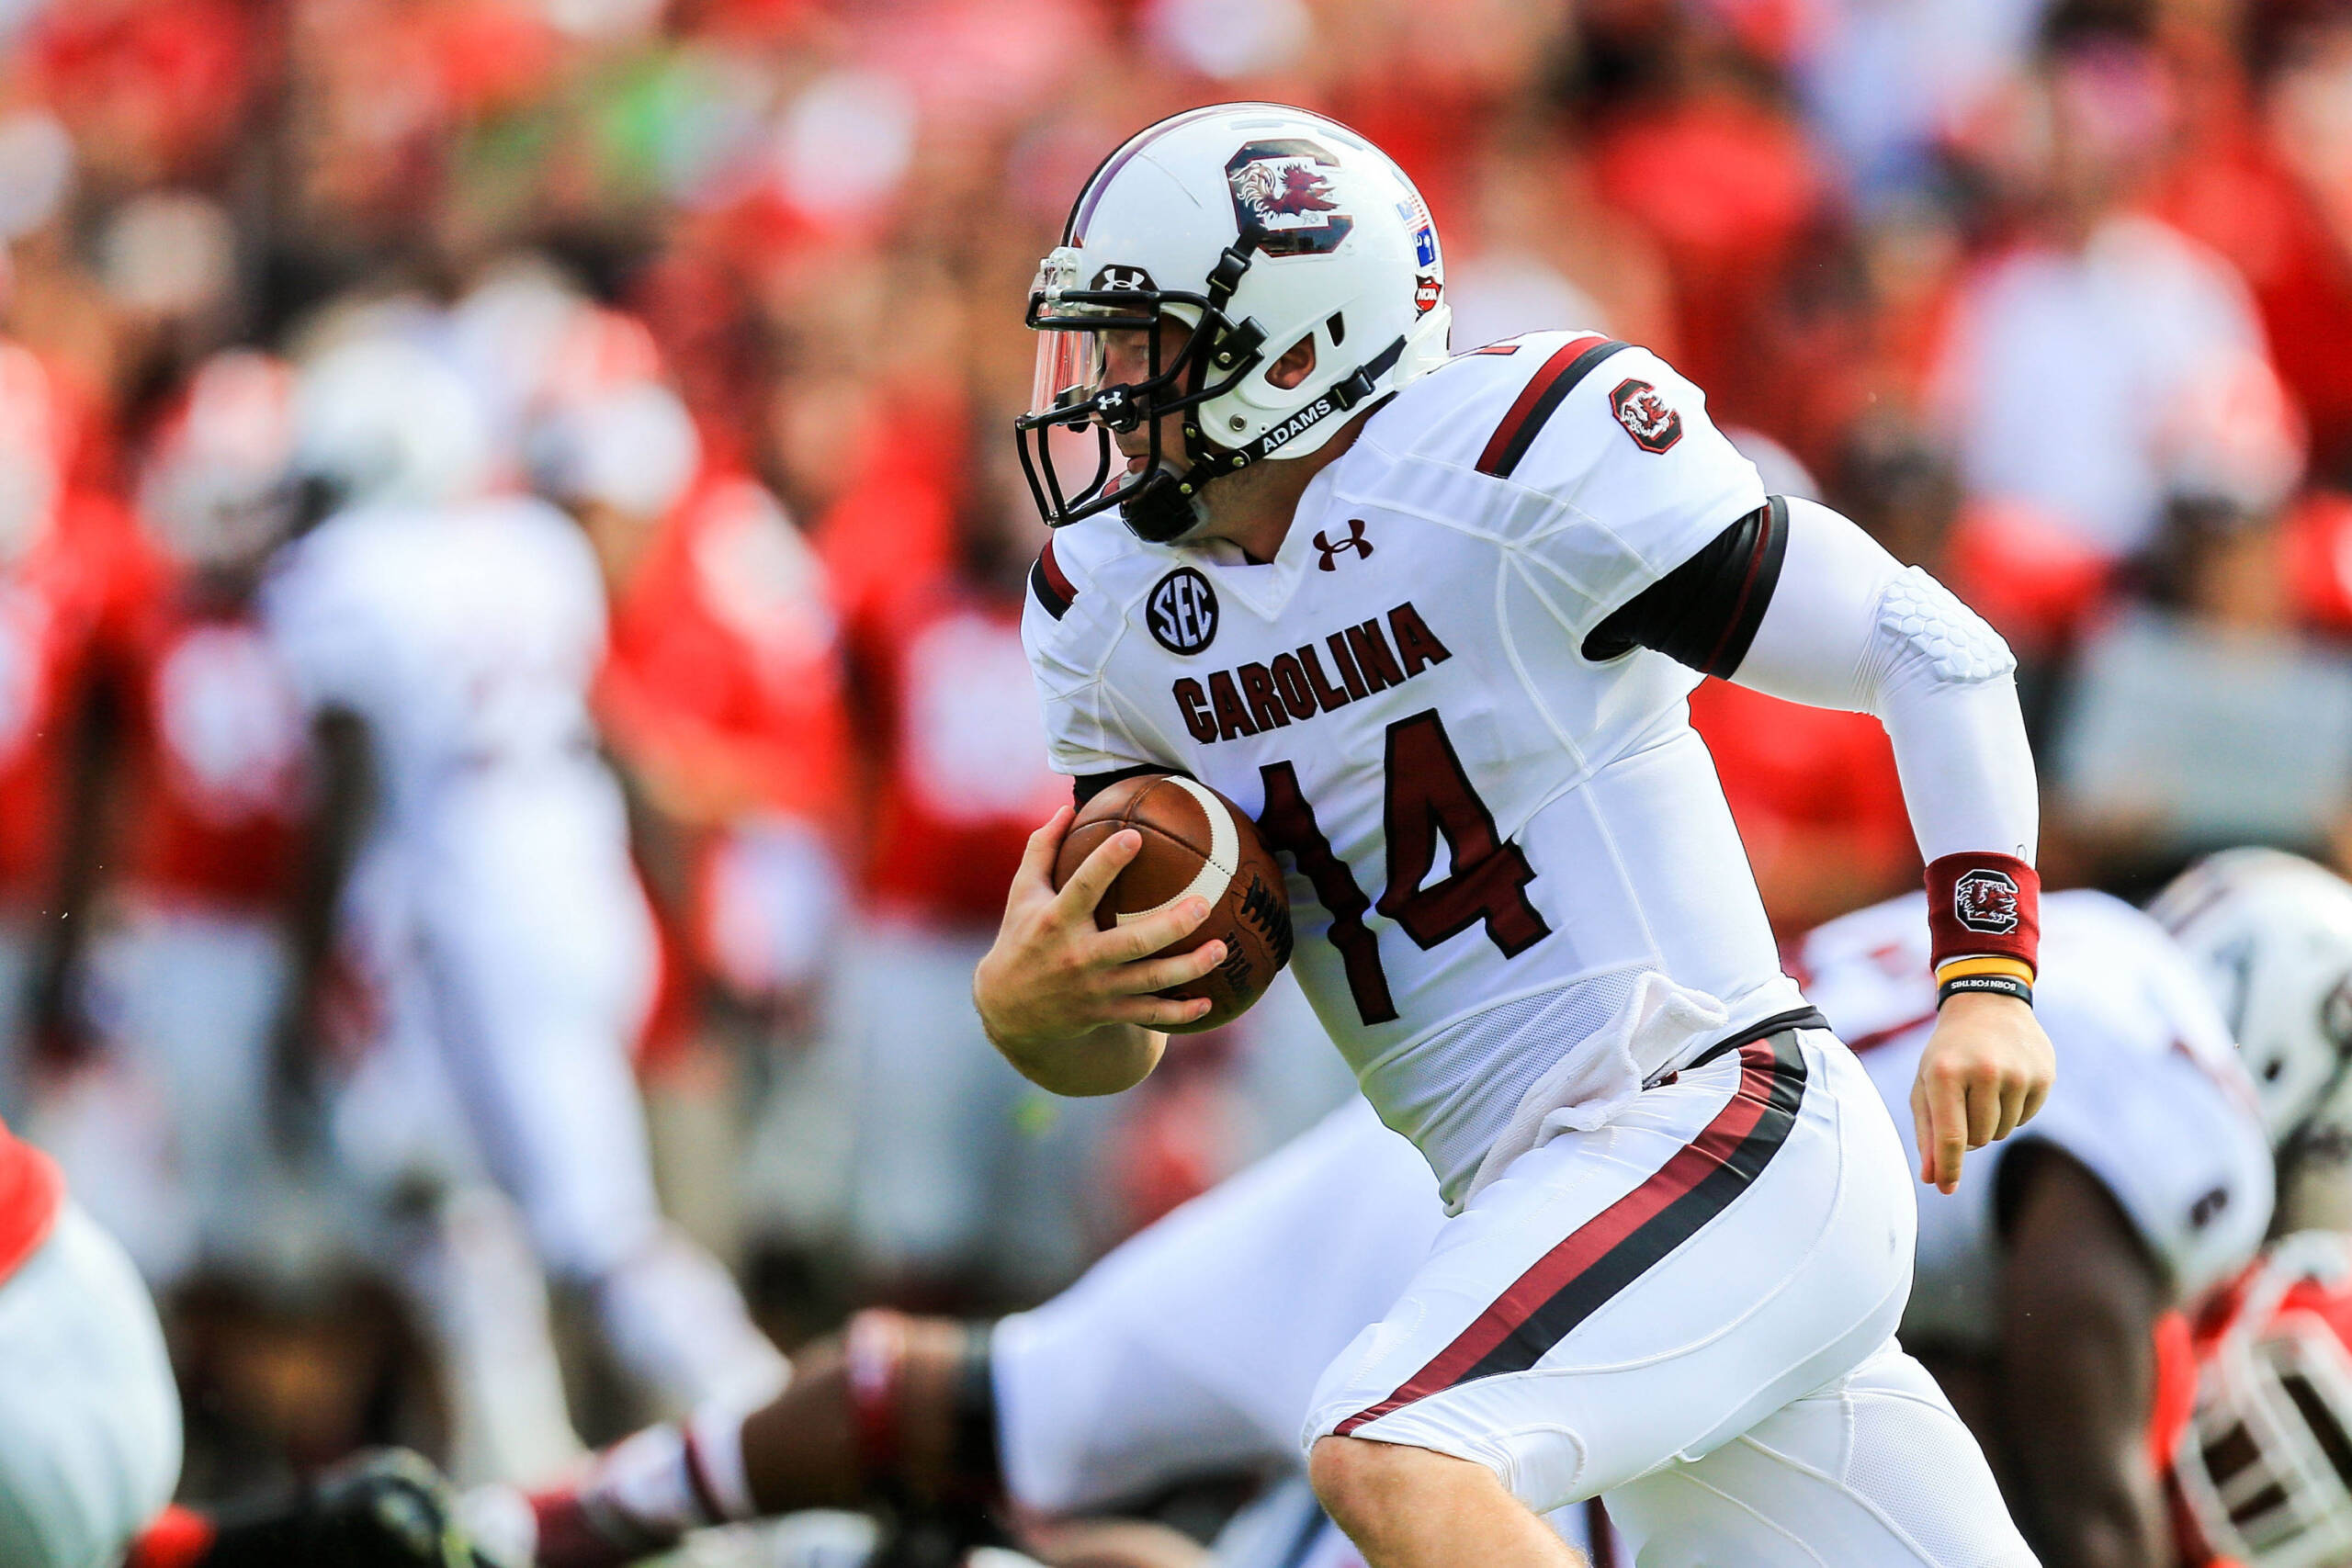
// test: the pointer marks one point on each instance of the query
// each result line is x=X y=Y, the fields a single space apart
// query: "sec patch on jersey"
x=1195 y=842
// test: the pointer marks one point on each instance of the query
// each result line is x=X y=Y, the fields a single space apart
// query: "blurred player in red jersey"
x=721 y=701
x=721 y=691
x=950 y=1191
x=188 y=978
x=57 y=545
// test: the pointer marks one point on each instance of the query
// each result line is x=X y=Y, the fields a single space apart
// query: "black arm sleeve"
x=1704 y=612
x=1086 y=787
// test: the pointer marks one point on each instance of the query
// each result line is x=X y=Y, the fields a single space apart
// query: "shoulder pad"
x=1545 y=390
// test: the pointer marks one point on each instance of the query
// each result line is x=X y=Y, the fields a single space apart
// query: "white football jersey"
x=466 y=637
x=1495 y=844
x=2149 y=1096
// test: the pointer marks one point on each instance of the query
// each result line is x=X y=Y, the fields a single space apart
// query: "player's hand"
x=1987 y=1069
x=1052 y=976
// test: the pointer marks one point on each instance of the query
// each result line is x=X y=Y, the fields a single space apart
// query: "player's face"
x=1128 y=360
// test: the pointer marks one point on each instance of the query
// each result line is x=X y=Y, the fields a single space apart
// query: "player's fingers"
x=1037 y=859
x=1923 y=1130
x=1096 y=873
x=1159 y=974
x=1983 y=1104
x=2034 y=1095
x=1948 y=1113
x=1158 y=1013
x=2006 y=1104
x=2013 y=1093
x=1131 y=939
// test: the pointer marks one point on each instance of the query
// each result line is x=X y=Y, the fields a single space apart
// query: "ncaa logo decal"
x=1986 y=900
x=1646 y=415
x=1280 y=189
x=1425 y=292
x=1181 y=612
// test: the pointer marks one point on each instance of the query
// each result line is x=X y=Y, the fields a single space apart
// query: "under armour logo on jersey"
x=1354 y=541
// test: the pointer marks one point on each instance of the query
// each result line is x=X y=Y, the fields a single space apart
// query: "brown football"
x=1195 y=841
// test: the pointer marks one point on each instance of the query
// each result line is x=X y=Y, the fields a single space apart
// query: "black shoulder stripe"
x=1050 y=585
x=1053 y=603
x=1553 y=381
x=1704 y=612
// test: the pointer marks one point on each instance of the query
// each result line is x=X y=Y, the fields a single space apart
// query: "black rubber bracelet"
x=1998 y=984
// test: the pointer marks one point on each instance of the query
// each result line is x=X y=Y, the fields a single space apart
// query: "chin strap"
x=1340 y=397
x=1167 y=504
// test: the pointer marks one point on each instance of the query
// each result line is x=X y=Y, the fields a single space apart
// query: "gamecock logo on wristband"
x=1986 y=900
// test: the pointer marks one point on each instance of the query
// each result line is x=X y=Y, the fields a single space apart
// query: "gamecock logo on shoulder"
x=1646 y=416
x=1986 y=900
x=1280 y=189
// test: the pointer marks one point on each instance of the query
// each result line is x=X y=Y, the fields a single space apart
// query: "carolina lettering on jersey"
x=1299 y=685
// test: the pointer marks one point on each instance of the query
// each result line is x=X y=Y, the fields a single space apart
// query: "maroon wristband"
x=1983 y=905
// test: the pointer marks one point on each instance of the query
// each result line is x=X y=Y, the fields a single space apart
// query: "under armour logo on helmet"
x=1354 y=541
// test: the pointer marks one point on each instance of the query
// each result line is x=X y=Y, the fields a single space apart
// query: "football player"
x=90 y=1425
x=2262 y=1463
x=1431 y=623
x=2145 y=1183
x=60 y=545
x=187 y=978
x=2262 y=1469
x=443 y=641
x=1191 y=1351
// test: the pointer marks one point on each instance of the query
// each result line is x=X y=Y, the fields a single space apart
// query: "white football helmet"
x=632 y=447
x=1253 y=227
x=2265 y=1464
x=214 y=488
x=2272 y=933
x=383 y=421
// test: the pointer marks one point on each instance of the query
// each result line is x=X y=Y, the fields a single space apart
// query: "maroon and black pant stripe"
x=1622 y=1243
x=1553 y=381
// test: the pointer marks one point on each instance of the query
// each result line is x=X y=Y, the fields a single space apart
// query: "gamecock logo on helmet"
x=1280 y=189
x=1646 y=416
x=1986 y=900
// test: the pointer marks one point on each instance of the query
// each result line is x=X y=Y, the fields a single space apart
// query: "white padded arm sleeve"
x=1847 y=627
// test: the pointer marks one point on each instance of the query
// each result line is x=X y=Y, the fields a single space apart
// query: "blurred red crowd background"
x=2052 y=296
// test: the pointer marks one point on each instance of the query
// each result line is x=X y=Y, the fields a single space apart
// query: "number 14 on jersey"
x=1427 y=793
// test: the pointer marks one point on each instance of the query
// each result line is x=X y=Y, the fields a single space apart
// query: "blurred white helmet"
x=632 y=447
x=2264 y=1463
x=2272 y=933
x=386 y=423
x=213 y=489
x=1254 y=227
